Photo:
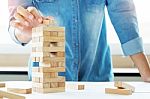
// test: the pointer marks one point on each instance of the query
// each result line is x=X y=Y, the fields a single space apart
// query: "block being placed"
x=122 y=85
x=118 y=91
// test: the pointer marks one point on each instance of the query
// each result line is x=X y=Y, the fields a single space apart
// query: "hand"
x=25 y=20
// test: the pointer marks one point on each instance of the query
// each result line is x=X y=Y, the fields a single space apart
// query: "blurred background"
x=14 y=58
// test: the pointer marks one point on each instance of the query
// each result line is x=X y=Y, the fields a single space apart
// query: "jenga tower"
x=48 y=52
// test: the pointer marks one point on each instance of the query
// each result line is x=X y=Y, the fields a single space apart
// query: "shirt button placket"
x=75 y=36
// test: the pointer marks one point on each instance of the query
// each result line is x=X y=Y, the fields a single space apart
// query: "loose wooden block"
x=118 y=91
x=123 y=85
x=49 y=22
x=20 y=91
x=80 y=87
x=50 y=90
x=2 y=85
x=10 y=95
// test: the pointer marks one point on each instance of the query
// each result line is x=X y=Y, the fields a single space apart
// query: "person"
x=88 y=55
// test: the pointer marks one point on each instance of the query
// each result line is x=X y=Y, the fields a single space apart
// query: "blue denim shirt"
x=87 y=50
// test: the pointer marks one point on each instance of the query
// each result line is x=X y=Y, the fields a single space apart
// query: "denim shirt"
x=87 y=50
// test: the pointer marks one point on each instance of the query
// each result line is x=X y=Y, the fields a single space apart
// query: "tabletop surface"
x=95 y=90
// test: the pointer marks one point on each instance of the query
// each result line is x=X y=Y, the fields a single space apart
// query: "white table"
x=93 y=90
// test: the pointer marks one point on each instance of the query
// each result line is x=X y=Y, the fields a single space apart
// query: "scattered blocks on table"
x=122 y=89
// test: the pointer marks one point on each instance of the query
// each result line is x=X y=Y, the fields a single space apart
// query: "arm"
x=123 y=16
x=16 y=33
x=23 y=18
x=142 y=63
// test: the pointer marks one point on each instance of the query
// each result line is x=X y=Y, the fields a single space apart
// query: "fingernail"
x=26 y=23
x=31 y=17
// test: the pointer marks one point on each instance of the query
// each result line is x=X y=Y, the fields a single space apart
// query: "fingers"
x=21 y=19
x=16 y=24
x=24 y=13
x=35 y=13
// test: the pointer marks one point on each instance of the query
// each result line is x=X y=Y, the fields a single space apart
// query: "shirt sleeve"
x=12 y=5
x=123 y=17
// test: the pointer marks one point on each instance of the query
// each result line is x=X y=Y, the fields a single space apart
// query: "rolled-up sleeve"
x=123 y=17
x=12 y=5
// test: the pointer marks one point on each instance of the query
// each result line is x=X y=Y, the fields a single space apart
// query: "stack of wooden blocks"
x=48 y=53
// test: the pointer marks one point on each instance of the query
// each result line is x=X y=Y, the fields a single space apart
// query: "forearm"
x=142 y=63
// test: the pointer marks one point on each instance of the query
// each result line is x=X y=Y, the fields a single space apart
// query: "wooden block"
x=52 y=39
x=61 y=34
x=41 y=44
x=53 y=59
x=123 y=85
x=118 y=91
x=50 y=49
x=45 y=75
x=58 y=79
x=35 y=69
x=41 y=85
x=53 y=34
x=49 y=22
x=53 y=84
x=36 y=79
x=61 y=84
x=40 y=54
x=80 y=87
x=20 y=91
x=60 y=54
x=10 y=95
x=37 y=59
x=33 y=59
x=46 y=80
x=50 y=90
x=49 y=69
x=2 y=85
x=33 y=49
